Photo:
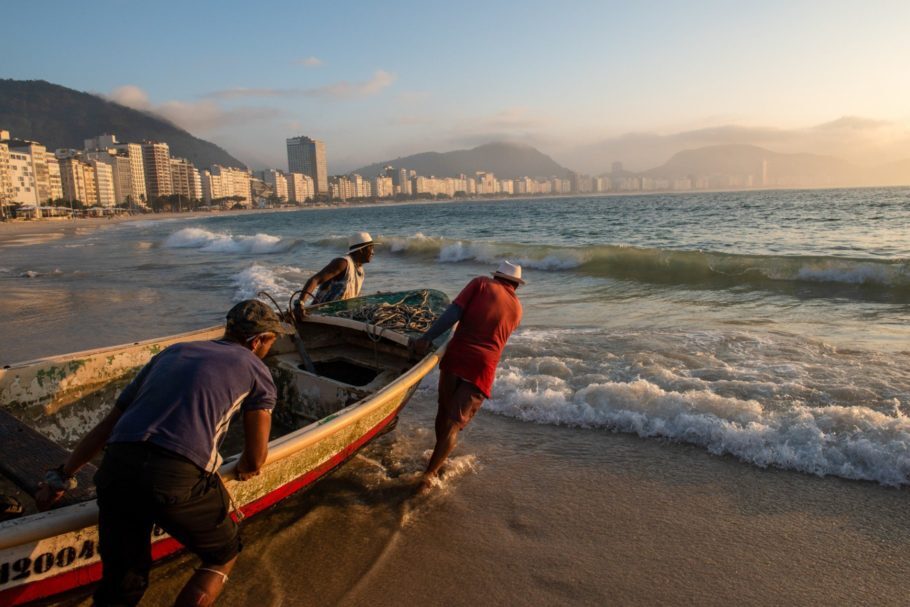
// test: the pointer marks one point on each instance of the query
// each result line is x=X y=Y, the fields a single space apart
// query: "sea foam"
x=214 y=242
x=279 y=282
x=767 y=412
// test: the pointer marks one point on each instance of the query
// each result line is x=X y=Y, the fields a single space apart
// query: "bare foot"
x=425 y=484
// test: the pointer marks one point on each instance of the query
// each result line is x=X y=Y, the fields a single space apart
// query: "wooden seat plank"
x=26 y=455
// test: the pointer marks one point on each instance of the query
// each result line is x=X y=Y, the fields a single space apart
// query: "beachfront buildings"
x=156 y=158
x=220 y=183
x=307 y=156
x=300 y=187
x=277 y=182
x=186 y=182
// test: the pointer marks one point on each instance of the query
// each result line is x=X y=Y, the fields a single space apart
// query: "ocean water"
x=769 y=326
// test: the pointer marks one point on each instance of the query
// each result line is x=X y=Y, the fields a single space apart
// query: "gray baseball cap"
x=251 y=317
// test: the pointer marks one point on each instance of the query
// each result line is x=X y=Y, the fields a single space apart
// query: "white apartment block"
x=91 y=185
x=72 y=178
x=156 y=158
x=104 y=183
x=222 y=182
x=37 y=155
x=277 y=182
x=6 y=182
x=22 y=175
x=133 y=152
x=300 y=187
x=185 y=179
x=382 y=187
x=55 y=184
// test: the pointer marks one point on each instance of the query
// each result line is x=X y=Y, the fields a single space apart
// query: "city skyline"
x=589 y=83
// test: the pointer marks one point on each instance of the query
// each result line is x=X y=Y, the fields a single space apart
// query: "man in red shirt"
x=487 y=311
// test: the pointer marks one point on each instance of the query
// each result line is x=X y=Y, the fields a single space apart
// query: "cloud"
x=194 y=116
x=131 y=96
x=339 y=90
x=852 y=123
x=240 y=92
x=309 y=62
x=348 y=90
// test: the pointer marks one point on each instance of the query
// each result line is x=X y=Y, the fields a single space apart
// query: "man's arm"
x=57 y=481
x=336 y=266
x=256 y=426
x=443 y=323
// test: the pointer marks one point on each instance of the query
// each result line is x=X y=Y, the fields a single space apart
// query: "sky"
x=587 y=82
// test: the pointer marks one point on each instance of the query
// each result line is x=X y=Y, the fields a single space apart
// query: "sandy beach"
x=663 y=524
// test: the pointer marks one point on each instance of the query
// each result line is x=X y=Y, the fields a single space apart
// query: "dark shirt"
x=184 y=398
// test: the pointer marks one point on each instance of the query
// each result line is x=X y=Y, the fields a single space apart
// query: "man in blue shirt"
x=161 y=456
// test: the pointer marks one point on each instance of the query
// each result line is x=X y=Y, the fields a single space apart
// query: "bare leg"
x=206 y=584
x=446 y=439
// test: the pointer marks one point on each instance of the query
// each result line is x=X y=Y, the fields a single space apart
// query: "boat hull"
x=52 y=552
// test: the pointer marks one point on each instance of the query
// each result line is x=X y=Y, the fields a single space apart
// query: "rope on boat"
x=398 y=316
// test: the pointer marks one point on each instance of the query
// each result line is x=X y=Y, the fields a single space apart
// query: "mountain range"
x=60 y=117
x=780 y=169
x=504 y=159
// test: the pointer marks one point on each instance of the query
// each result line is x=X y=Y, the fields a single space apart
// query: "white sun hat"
x=509 y=271
x=359 y=241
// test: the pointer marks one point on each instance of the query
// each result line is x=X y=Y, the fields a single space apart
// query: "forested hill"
x=59 y=117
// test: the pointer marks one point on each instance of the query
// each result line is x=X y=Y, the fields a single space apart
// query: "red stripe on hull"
x=92 y=573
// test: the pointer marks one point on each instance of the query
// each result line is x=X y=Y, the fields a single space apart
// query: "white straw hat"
x=509 y=271
x=359 y=241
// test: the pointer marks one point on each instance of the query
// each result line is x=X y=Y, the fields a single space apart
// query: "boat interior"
x=348 y=364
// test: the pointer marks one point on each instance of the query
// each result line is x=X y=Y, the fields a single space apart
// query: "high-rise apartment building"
x=186 y=179
x=37 y=154
x=300 y=187
x=91 y=185
x=104 y=183
x=22 y=176
x=72 y=177
x=156 y=158
x=133 y=152
x=55 y=185
x=6 y=181
x=221 y=182
x=307 y=156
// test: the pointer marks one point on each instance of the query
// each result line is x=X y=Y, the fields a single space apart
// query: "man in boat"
x=487 y=311
x=161 y=456
x=343 y=277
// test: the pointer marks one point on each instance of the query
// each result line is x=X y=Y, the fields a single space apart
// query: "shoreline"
x=58 y=224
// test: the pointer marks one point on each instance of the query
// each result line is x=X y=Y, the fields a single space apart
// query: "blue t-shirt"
x=184 y=398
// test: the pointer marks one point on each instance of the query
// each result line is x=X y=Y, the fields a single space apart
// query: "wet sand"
x=542 y=515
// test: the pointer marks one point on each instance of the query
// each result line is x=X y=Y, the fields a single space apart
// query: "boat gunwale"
x=76 y=517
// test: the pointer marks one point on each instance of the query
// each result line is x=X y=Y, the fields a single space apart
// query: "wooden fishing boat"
x=363 y=377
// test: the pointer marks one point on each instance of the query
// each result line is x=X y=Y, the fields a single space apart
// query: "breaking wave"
x=730 y=394
x=722 y=270
x=215 y=242
x=279 y=282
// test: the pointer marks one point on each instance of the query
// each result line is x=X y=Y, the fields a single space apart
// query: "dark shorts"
x=140 y=486
x=459 y=399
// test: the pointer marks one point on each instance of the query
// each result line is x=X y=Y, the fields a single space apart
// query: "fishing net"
x=410 y=312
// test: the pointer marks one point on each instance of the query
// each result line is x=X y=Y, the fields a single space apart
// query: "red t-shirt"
x=490 y=312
